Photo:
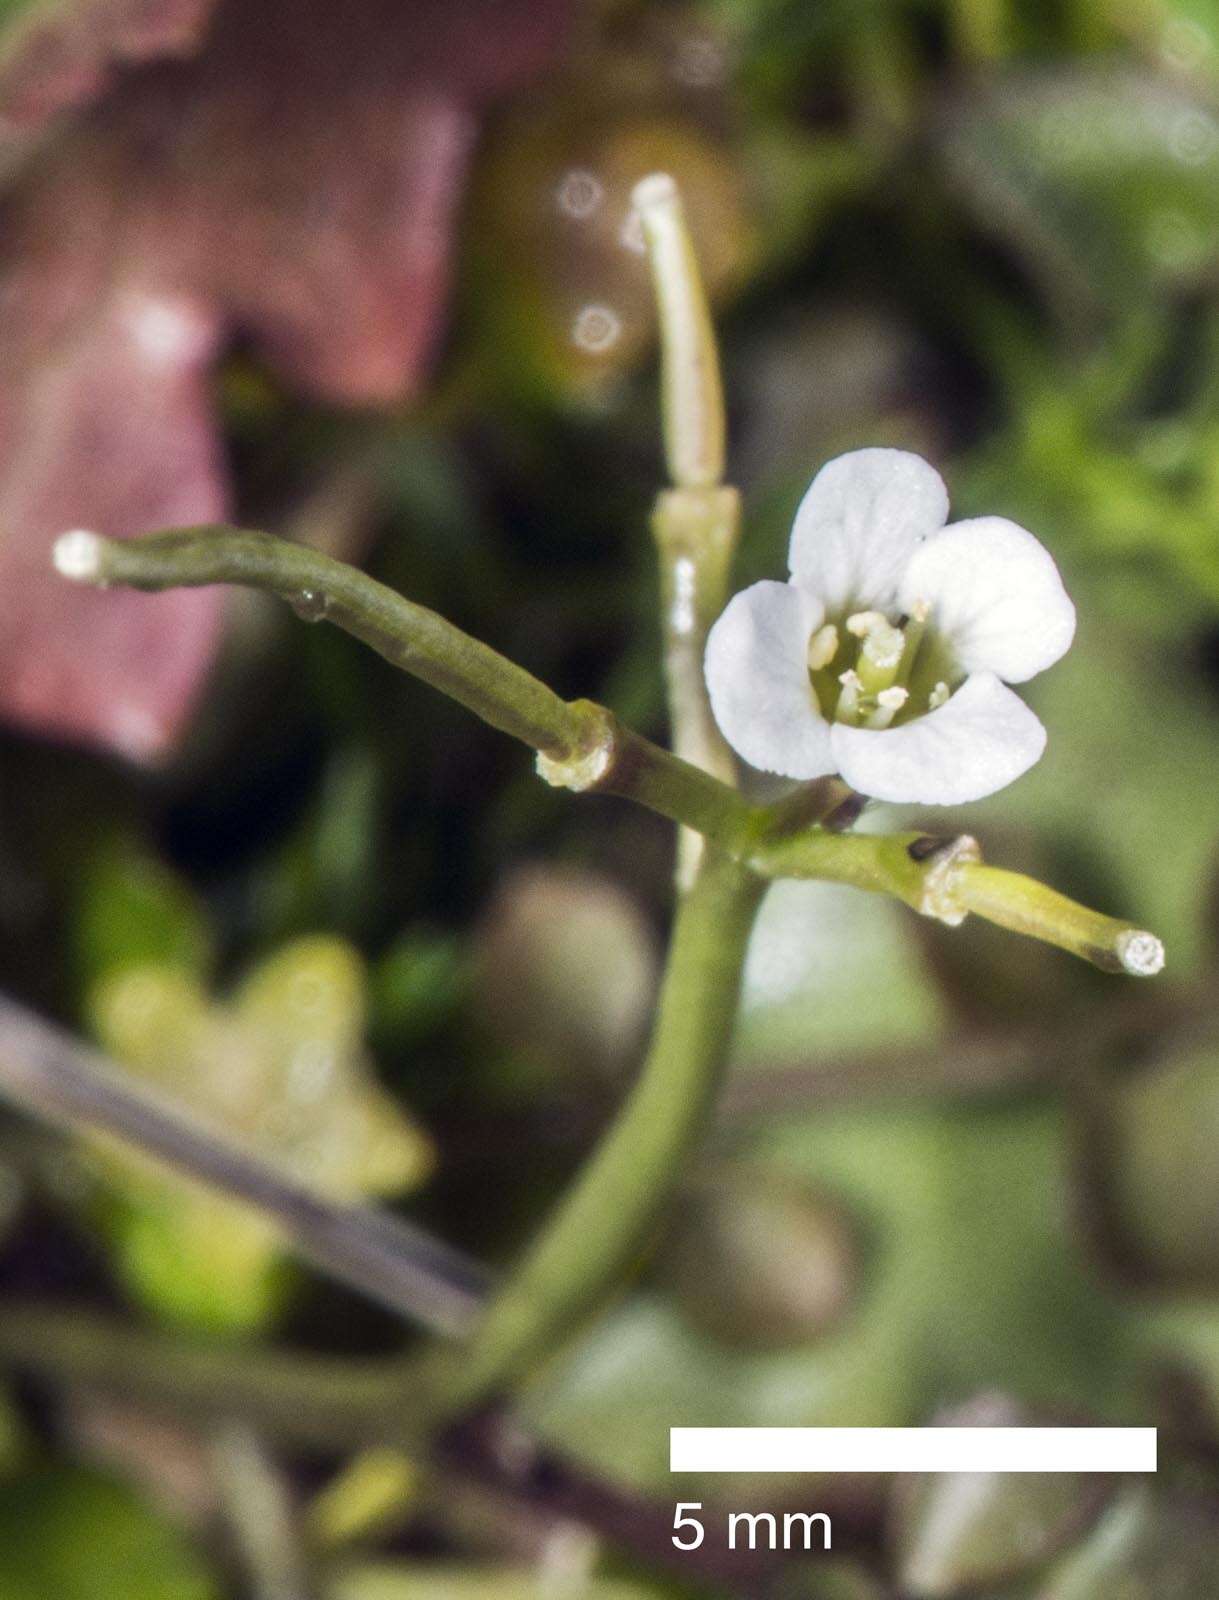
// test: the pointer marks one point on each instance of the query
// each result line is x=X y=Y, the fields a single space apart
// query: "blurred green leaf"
x=74 y=1535
x=1104 y=179
x=972 y=1283
x=830 y=969
x=132 y=910
x=281 y=1065
x=1165 y=1165
x=416 y=986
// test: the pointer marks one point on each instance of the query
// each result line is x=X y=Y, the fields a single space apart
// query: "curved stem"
x=606 y=1216
x=336 y=1405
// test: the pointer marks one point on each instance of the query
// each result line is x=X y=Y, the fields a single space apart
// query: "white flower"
x=886 y=655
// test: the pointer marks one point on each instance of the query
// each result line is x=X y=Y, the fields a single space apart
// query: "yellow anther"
x=888 y=703
x=822 y=647
x=862 y=623
x=938 y=696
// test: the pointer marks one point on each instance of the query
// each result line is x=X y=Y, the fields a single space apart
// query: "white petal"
x=996 y=597
x=757 y=677
x=862 y=518
x=982 y=740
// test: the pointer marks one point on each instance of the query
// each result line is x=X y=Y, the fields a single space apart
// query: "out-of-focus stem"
x=314 y=1399
x=981 y=29
x=333 y=1404
x=259 y=1513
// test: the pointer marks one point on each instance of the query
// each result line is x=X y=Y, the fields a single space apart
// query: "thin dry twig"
x=390 y=1260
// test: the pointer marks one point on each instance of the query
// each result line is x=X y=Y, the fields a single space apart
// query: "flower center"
x=880 y=673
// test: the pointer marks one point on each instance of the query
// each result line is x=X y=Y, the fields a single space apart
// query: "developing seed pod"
x=759 y=1261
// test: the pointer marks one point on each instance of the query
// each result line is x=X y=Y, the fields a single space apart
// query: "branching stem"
x=583 y=746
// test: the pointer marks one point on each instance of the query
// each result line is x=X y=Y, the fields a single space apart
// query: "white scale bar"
x=912 y=1449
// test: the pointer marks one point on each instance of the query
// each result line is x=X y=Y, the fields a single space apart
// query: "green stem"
x=606 y=1216
x=945 y=878
x=580 y=745
x=695 y=523
x=259 y=1513
x=914 y=867
x=696 y=534
x=1026 y=906
x=320 y=588
x=691 y=394
x=584 y=747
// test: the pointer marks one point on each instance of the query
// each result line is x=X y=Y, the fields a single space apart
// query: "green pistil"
x=881 y=647
x=873 y=689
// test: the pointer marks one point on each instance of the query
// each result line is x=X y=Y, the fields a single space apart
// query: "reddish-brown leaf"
x=58 y=57
x=295 y=183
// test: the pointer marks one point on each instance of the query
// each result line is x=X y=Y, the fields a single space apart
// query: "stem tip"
x=657 y=189
x=78 y=555
x=1141 y=954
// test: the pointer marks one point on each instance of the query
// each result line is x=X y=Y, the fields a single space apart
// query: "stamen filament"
x=914 y=630
x=848 y=700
